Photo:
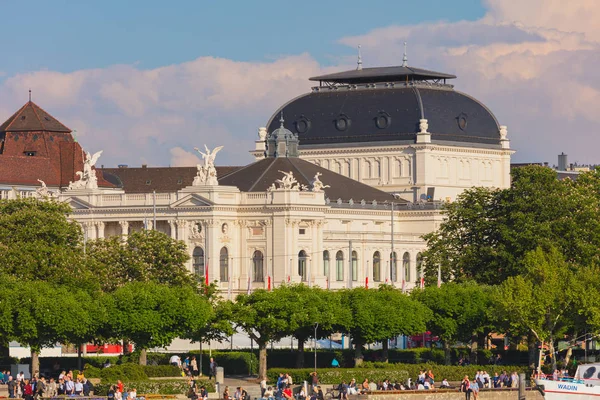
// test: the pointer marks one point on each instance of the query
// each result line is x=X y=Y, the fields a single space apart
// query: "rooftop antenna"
x=359 y=61
x=29 y=95
x=405 y=58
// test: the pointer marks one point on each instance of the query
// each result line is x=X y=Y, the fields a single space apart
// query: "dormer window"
x=29 y=153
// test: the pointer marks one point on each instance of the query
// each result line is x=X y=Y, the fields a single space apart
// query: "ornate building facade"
x=346 y=181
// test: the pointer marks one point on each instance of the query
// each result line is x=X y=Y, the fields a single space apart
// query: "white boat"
x=585 y=385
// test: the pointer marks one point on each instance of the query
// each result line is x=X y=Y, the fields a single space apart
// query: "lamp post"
x=315 y=346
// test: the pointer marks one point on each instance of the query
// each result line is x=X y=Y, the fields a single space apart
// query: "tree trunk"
x=473 y=355
x=552 y=354
x=143 y=357
x=200 y=360
x=300 y=353
x=532 y=350
x=4 y=351
x=358 y=354
x=385 y=347
x=79 y=357
x=35 y=362
x=125 y=347
x=262 y=360
x=447 y=359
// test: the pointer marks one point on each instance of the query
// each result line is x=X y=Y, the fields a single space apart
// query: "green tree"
x=541 y=299
x=38 y=242
x=152 y=315
x=313 y=307
x=265 y=317
x=44 y=314
x=146 y=256
x=487 y=232
x=218 y=327
x=461 y=311
x=378 y=315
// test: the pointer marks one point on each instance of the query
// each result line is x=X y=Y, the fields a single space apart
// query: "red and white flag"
x=269 y=283
x=367 y=282
x=422 y=283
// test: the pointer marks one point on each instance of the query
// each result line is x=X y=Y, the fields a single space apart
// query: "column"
x=181 y=229
x=100 y=227
x=173 y=229
x=124 y=229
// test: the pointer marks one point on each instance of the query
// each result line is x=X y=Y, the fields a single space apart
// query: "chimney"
x=144 y=165
x=562 y=162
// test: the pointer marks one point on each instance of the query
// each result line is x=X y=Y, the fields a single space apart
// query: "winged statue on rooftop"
x=207 y=173
x=87 y=177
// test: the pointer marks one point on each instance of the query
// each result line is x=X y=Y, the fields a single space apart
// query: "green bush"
x=234 y=362
x=125 y=372
x=175 y=386
x=394 y=372
x=159 y=371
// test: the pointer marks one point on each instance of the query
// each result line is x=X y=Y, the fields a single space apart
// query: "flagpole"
x=439 y=276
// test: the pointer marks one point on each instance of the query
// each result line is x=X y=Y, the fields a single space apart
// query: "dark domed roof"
x=387 y=112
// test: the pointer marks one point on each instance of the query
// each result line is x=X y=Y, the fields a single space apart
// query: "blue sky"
x=147 y=81
x=67 y=35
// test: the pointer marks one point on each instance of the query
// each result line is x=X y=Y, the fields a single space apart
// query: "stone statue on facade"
x=43 y=191
x=87 y=177
x=317 y=185
x=288 y=182
x=207 y=173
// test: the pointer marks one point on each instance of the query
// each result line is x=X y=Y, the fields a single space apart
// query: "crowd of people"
x=36 y=387
x=118 y=392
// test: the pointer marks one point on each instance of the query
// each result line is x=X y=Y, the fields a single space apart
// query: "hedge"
x=124 y=372
x=234 y=362
x=175 y=386
x=393 y=372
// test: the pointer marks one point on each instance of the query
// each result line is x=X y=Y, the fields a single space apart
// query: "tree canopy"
x=377 y=315
x=488 y=232
x=152 y=315
x=38 y=242
x=146 y=256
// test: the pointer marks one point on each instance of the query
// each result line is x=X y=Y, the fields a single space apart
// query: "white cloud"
x=533 y=63
x=182 y=158
x=138 y=115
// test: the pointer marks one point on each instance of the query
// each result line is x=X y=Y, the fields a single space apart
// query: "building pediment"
x=192 y=200
x=78 y=204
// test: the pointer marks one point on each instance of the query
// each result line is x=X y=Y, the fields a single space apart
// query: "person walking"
x=212 y=369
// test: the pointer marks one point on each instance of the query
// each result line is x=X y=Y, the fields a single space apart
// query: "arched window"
x=376 y=267
x=354 y=266
x=198 y=262
x=302 y=265
x=419 y=266
x=258 y=266
x=339 y=266
x=369 y=170
x=224 y=264
x=394 y=267
x=377 y=169
x=326 y=263
x=406 y=266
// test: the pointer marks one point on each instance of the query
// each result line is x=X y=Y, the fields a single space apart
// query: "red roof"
x=34 y=145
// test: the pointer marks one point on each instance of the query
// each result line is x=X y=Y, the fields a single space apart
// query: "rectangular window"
x=257 y=231
x=302 y=231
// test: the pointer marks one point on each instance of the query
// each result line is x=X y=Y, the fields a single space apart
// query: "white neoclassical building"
x=346 y=181
x=400 y=129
